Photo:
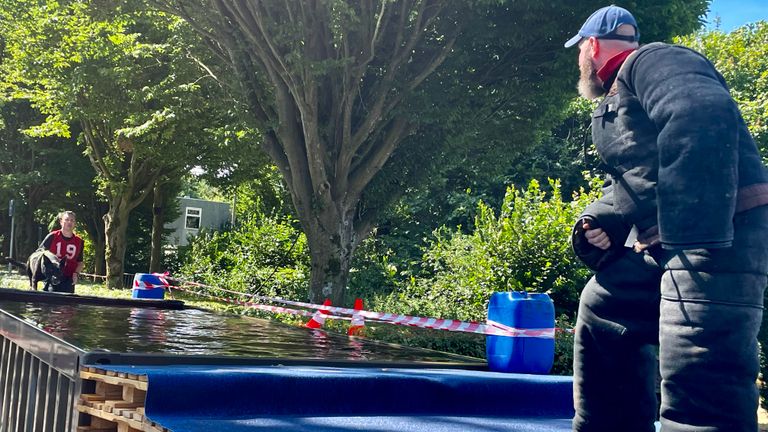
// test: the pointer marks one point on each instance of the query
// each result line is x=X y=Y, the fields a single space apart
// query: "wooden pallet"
x=117 y=404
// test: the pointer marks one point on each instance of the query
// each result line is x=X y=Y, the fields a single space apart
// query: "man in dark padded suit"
x=678 y=241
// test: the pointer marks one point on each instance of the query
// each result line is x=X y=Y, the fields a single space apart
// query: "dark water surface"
x=192 y=331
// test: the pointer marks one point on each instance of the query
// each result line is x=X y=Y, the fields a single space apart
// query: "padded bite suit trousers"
x=698 y=312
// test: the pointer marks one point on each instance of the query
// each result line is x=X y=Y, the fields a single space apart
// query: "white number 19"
x=71 y=250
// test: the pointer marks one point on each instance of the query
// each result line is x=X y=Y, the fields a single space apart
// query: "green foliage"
x=134 y=85
x=480 y=120
x=564 y=153
x=563 y=346
x=530 y=241
x=526 y=246
x=394 y=251
x=477 y=83
x=130 y=79
x=493 y=115
x=42 y=175
x=502 y=110
x=262 y=193
x=264 y=256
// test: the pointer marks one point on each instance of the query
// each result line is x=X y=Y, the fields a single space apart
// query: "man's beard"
x=590 y=86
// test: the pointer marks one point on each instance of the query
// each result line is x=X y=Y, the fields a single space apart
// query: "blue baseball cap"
x=603 y=23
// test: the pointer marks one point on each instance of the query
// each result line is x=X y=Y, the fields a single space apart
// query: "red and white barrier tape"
x=491 y=328
x=267 y=308
x=90 y=275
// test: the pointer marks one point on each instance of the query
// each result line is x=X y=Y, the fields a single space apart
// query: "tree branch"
x=141 y=177
x=435 y=63
x=384 y=87
x=249 y=16
x=211 y=39
x=371 y=164
x=95 y=143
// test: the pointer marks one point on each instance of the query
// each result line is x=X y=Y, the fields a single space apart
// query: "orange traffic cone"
x=318 y=319
x=358 y=322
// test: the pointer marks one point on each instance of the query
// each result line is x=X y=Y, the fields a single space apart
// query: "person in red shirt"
x=65 y=243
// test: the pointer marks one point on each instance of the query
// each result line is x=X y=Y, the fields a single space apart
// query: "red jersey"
x=70 y=247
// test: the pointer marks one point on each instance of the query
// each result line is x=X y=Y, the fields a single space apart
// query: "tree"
x=323 y=81
x=31 y=174
x=130 y=84
x=76 y=189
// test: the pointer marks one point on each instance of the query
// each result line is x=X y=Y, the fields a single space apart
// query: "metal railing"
x=39 y=382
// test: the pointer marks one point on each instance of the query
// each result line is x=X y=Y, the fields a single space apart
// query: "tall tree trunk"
x=93 y=222
x=128 y=184
x=115 y=228
x=99 y=251
x=332 y=244
x=26 y=226
x=26 y=232
x=158 y=217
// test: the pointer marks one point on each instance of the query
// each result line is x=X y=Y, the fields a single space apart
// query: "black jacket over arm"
x=683 y=148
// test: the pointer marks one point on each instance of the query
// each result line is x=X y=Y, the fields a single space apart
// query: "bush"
x=563 y=347
x=525 y=248
x=260 y=256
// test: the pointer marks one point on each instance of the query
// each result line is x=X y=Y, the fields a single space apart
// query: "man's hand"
x=647 y=239
x=596 y=237
x=74 y=279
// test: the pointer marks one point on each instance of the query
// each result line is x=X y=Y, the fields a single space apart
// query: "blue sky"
x=735 y=13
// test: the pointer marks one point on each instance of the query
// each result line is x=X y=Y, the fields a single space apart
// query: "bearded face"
x=590 y=86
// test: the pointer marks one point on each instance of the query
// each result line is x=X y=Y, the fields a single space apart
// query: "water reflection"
x=150 y=323
x=147 y=330
x=357 y=349
x=60 y=319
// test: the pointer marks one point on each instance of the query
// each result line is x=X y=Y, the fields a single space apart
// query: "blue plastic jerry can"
x=147 y=286
x=533 y=355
